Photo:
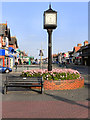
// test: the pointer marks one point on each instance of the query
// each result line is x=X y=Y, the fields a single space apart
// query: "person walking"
x=16 y=63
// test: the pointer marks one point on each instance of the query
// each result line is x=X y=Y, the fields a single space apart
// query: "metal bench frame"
x=19 y=81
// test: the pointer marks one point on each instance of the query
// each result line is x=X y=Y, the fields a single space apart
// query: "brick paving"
x=44 y=109
x=51 y=104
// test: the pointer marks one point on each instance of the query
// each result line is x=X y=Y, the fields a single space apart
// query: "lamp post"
x=50 y=23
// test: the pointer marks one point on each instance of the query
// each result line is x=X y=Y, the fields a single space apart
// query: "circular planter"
x=63 y=84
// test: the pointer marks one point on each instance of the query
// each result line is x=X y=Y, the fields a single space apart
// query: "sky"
x=25 y=20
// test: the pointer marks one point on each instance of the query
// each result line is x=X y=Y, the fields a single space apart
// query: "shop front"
x=2 y=57
x=11 y=61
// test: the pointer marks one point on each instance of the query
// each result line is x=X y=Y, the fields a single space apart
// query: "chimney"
x=79 y=45
x=6 y=22
x=85 y=43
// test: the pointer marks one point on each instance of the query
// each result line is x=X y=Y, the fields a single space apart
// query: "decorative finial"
x=50 y=6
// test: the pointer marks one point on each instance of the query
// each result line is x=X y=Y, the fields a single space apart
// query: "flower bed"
x=55 y=74
x=57 y=79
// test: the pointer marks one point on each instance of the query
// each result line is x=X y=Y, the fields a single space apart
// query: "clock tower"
x=50 y=23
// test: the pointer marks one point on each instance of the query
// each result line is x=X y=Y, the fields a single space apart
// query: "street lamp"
x=50 y=23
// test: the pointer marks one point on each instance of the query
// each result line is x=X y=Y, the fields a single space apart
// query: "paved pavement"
x=45 y=109
x=26 y=103
x=51 y=104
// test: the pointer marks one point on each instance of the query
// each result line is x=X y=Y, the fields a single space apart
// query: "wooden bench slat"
x=24 y=77
x=23 y=85
x=21 y=82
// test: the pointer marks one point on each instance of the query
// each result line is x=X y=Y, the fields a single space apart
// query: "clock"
x=50 y=18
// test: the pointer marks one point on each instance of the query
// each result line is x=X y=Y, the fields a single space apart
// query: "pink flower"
x=42 y=71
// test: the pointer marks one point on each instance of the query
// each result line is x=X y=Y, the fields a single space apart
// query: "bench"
x=19 y=81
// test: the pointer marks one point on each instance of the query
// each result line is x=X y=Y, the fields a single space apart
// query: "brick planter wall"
x=63 y=84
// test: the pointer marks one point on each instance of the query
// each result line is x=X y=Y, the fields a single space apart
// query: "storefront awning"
x=2 y=52
x=11 y=49
x=78 y=57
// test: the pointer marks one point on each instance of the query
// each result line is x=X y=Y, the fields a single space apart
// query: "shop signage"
x=2 y=52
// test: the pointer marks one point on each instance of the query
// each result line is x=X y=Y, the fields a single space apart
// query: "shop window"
x=10 y=62
x=4 y=39
x=1 y=62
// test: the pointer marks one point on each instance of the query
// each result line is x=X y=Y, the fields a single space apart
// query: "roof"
x=8 y=32
x=70 y=52
x=50 y=9
x=3 y=27
x=84 y=47
x=86 y=41
x=54 y=55
x=76 y=48
x=13 y=41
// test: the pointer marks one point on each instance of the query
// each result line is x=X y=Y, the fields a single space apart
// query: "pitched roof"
x=84 y=47
x=54 y=55
x=76 y=48
x=70 y=52
x=3 y=27
x=9 y=35
x=13 y=41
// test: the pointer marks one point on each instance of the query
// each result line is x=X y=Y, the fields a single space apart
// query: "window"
x=4 y=39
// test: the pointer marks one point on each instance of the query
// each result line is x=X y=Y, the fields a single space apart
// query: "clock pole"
x=50 y=23
x=49 y=49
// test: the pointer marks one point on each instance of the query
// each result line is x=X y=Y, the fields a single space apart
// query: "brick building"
x=84 y=54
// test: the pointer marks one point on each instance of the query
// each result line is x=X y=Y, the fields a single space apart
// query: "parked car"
x=5 y=69
x=34 y=62
x=53 y=62
x=26 y=62
x=45 y=62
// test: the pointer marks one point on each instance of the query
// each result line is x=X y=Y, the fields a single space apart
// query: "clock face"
x=50 y=18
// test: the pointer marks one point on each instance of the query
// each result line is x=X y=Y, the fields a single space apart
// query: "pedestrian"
x=16 y=63
x=62 y=63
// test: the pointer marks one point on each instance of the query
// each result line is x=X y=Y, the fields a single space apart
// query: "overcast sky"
x=25 y=20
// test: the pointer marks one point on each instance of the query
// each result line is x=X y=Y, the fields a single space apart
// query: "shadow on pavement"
x=66 y=100
x=87 y=85
x=28 y=89
x=88 y=99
